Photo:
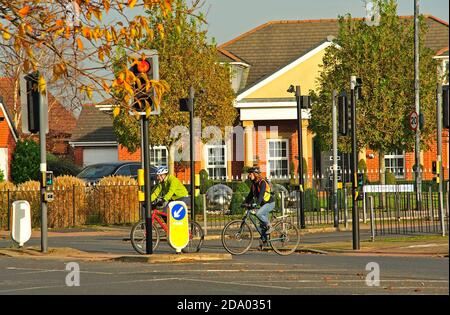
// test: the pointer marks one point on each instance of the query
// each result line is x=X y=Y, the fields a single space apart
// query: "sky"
x=228 y=19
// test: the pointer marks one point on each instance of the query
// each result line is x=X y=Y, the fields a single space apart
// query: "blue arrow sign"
x=178 y=212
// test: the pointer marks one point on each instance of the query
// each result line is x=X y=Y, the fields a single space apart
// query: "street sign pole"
x=354 y=171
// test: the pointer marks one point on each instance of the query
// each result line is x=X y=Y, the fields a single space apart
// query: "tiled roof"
x=60 y=120
x=93 y=126
x=277 y=43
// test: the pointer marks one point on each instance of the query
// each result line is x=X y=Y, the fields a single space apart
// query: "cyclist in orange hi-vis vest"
x=261 y=194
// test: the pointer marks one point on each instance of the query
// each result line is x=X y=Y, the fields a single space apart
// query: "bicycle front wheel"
x=237 y=237
x=138 y=237
x=285 y=238
x=196 y=237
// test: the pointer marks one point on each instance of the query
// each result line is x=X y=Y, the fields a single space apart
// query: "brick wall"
x=428 y=157
x=125 y=155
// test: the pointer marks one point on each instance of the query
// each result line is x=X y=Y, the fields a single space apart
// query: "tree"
x=186 y=59
x=383 y=57
x=25 y=162
x=81 y=44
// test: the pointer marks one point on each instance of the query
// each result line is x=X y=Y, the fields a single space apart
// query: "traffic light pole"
x=354 y=171
x=300 y=206
x=192 y=147
x=147 y=187
x=43 y=169
x=335 y=161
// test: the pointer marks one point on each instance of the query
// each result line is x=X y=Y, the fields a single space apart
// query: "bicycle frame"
x=251 y=216
x=156 y=215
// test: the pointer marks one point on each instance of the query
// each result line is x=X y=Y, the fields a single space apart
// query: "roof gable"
x=282 y=70
x=275 y=44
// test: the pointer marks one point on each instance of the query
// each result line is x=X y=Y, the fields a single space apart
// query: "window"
x=395 y=163
x=124 y=171
x=159 y=156
x=216 y=162
x=278 y=158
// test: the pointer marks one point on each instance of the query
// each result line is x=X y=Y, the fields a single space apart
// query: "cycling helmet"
x=254 y=170
x=162 y=170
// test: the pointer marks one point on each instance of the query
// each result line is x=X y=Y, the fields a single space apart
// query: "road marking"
x=236 y=283
x=35 y=270
x=87 y=284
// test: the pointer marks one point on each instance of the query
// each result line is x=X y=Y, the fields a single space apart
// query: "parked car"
x=93 y=173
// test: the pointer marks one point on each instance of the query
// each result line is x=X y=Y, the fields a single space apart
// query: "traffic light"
x=358 y=89
x=33 y=101
x=360 y=179
x=445 y=109
x=305 y=102
x=143 y=71
x=185 y=105
x=49 y=178
x=343 y=114
x=434 y=167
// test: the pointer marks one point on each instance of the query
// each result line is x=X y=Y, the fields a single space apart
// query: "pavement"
x=108 y=243
x=324 y=264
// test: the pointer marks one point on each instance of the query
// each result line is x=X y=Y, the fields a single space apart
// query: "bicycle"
x=237 y=236
x=138 y=234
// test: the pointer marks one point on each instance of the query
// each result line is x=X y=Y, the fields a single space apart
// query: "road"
x=256 y=273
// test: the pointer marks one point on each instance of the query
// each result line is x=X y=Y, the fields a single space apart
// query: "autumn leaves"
x=74 y=32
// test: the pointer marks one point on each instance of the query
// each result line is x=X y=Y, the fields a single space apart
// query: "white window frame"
x=206 y=156
x=396 y=157
x=153 y=159
x=268 y=157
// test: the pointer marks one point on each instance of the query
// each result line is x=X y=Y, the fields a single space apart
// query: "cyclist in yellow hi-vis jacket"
x=169 y=188
x=260 y=191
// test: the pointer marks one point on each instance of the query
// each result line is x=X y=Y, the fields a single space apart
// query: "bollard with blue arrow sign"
x=178 y=225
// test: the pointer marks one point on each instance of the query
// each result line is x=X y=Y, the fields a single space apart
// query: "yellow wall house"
x=265 y=62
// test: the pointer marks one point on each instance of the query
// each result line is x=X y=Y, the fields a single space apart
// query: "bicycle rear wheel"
x=285 y=238
x=138 y=237
x=196 y=237
x=237 y=237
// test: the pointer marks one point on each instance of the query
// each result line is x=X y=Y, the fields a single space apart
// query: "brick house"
x=8 y=140
x=265 y=61
x=93 y=140
x=62 y=122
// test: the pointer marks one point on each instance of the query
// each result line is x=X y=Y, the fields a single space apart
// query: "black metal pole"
x=147 y=187
x=43 y=153
x=335 y=160
x=418 y=171
x=300 y=206
x=192 y=147
x=354 y=171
